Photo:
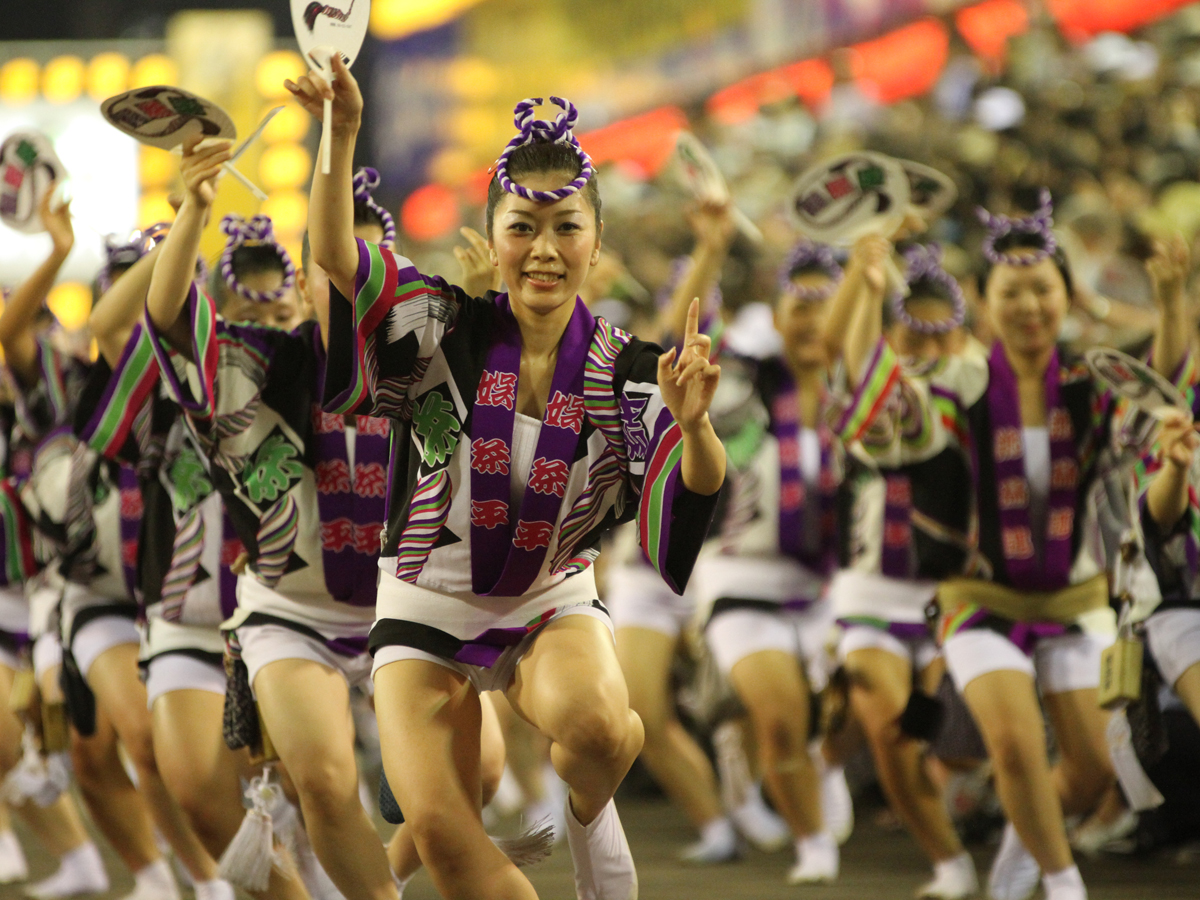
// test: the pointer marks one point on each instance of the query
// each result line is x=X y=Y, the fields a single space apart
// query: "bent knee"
x=444 y=840
x=602 y=732
x=325 y=789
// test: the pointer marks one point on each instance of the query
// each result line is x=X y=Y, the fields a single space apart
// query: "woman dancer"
x=305 y=495
x=904 y=528
x=1037 y=616
x=526 y=421
x=650 y=618
x=775 y=548
x=97 y=611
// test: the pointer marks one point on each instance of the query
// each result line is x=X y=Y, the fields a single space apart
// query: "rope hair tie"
x=539 y=131
x=1040 y=224
x=808 y=254
x=126 y=253
x=258 y=231
x=366 y=180
x=925 y=264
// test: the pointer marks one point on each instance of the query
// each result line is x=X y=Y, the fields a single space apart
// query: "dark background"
x=56 y=20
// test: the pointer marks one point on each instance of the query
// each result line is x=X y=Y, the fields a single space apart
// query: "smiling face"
x=801 y=322
x=544 y=250
x=1026 y=305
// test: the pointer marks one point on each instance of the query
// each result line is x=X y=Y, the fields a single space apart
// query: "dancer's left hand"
x=689 y=382
x=1168 y=269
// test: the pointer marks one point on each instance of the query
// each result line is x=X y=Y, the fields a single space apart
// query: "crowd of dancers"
x=292 y=510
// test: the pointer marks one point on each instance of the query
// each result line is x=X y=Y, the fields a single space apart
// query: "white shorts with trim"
x=637 y=597
x=499 y=675
x=264 y=644
x=921 y=652
x=99 y=636
x=179 y=672
x=161 y=636
x=734 y=634
x=47 y=654
x=1069 y=662
x=1174 y=639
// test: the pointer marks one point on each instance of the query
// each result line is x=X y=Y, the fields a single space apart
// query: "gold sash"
x=1063 y=606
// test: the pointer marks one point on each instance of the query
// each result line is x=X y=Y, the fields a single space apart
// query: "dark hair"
x=248 y=259
x=536 y=159
x=1021 y=240
x=367 y=215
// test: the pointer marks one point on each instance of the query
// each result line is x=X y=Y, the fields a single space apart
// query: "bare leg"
x=58 y=826
x=306 y=707
x=402 y=850
x=114 y=679
x=1005 y=706
x=1084 y=772
x=203 y=775
x=774 y=691
x=880 y=686
x=670 y=753
x=430 y=725
x=1188 y=688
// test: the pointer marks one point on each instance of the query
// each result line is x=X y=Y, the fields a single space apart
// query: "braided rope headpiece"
x=366 y=180
x=123 y=254
x=258 y=231
x=539 y=131
x=807 y=255
x=1039 y=224
x=925 y=264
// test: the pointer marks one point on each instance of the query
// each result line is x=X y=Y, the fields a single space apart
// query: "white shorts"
x=100 y=635
x=637 y=597
x=1174 y=639
x=734 y=634
x=47 y=654
x=920 y=652
x=179 y=672
x=499 y=675
x=1070 y=662
x=264 y=644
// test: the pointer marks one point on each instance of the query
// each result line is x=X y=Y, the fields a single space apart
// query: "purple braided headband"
x=366 y=180
x=925 y=263
x=1040 y=223
x=257 y=231
x=128 y=252
x=804 y=255
x=679 y=268
x=533 y=130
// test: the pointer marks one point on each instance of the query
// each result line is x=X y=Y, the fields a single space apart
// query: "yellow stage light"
x=274 y=68
x=154 y=208
x=71 y=303
x=62 y=79
x=107 y=74
x=156 y=167
x=392 y=19
x=18 y=80
x=284 y=166
x=289 y=213
x=473 y=78
x=157 y=68
x=290 y=124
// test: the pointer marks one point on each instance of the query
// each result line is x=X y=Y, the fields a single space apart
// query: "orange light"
x=157 y=68
x=810 y=80
x=18 y=81
x=288 y=211
x=284 y=166
x=62 y=79
x=154 y=208
x=430 y=212
x=393 y=19
x=274 y=68
x=290 y=124
x=903 y=63
x=1082 y=19
x=156 y=167
x=71 y=303
x=107 y=75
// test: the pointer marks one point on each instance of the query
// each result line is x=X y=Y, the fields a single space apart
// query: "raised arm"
x=118 y=309
x=18 y=333
x=331 y=206
x=1167 y=496
x=860 y=311
x=1168 y=270
x=713 y=226
x=176 y=264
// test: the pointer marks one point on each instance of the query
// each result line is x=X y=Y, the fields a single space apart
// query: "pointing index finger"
x=693 y=321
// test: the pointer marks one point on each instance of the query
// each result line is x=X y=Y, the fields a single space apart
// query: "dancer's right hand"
x=311 y=91
x=200 y=167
